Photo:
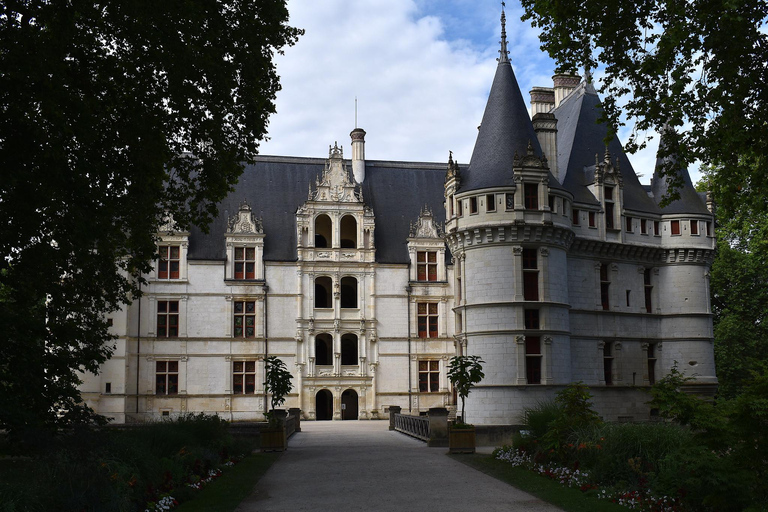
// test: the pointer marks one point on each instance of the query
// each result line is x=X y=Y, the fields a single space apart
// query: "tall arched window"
x=348 y=232
x=323 y=231
x=323 y=292
x=348 y=292
x=323 y=346
x=349 y=349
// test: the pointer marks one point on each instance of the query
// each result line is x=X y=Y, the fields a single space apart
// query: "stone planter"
x=461 y=440
x=273 y=439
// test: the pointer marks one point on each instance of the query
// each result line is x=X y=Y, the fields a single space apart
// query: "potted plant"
x=278 y=383
x=463 y=372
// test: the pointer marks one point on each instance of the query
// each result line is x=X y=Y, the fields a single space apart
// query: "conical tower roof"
x=506 y=128
x=689 y=201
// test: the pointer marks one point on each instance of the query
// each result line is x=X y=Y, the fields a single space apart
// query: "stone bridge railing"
x=432 y=428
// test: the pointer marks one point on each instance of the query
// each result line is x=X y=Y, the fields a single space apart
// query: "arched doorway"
x=349 y=405
x=324 y=405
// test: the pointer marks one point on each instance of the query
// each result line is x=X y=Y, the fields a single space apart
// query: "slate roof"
x=275 y=187
x=505 y=129
x=579 y=138
x=690 y=201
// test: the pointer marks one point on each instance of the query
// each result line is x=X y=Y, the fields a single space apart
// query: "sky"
x=421 y=71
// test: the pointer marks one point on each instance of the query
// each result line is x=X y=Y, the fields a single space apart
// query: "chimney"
x=358 y=154
x=542 y=100
x=564 y=84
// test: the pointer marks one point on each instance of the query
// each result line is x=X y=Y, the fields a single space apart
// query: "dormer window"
x=426 y=265
x=170 y=262
x=531 y=198
x=245 y=263
x=609 y=208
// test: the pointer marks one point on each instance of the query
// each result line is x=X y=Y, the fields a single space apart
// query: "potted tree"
x=278 y=383
x=463 y=372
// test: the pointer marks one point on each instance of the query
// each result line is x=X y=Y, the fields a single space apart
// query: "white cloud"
x=421 y=70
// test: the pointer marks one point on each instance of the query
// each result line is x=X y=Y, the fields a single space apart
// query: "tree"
x=277 y=381
x=464 y=372
x=114 y=115
x=698 y=67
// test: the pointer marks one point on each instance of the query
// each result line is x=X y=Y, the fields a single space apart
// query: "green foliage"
x=114 y=116
x=538 y=418
x=120 y=469
x=278 y=380
x=698 y=67
x=464 y=372
x=575 y=412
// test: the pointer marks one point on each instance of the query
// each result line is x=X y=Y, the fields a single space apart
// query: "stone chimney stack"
x=564 y=84
x=542 y=100
x=358 y=154
x=545 y=124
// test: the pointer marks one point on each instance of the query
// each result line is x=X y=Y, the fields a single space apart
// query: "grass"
x=226 y=492
x=570 y=500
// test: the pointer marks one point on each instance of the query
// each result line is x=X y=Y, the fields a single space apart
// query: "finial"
x=529 y=149
x=587 y=73
x=607 y=155
x=503 y=53
x=355 y=111
x=450 y=157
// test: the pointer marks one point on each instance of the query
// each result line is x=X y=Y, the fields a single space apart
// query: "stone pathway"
x=361 y=465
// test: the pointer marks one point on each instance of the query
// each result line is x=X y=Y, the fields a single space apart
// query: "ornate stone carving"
x=530 y=160
x=243 y=222
x=425 y=226
x=335 y=184
x=453 y=172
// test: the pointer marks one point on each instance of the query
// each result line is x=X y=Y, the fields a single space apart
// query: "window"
x=244 y=377
x=348 y=292
x=450 y=207
x=166 y=377
x=349 y=349
x=675 y=227
x=628 y=294
x=628 y=224
x=694 y=227
x=323 y=296
x=643 y=227
x=348 y=232
x=656 y=228
x=460 y=207
x=533 y=359
x=591 y=219
x=490 y=203
x=323 y=345
x=427 y=316
x=605 y=284
x=167 y=318
x=648 y=288
x=472 y=205
x=531 y=196
x=709 y=229
x=168 y=266
x=651 y=363
x=531 y=318
x=108 y=388
x=426 y=266
x=552 y=204
x=530 y=275
x=575 y=215
x=510 y=201
x=245 y=319
x=609 y=210
x=245 y=263
x=608 y=363
x=323 y=231
x=429 y=376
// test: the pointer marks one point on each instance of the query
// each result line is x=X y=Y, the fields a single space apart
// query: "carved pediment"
x=530 y=160
x=243 y=222
x=426 y=227
x=335 y=184
x=606 y=171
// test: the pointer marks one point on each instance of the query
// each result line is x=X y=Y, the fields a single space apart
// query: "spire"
x=503 y=52
x=671 y=179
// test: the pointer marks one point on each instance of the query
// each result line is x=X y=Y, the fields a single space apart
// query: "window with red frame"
x=166 y=377
x=244 y=377
x=245 y=263
x=167 y=318
x=426 y=265
x=427 y=318
x=245 y=319
x=168 y=266
x=429 y=376
x=530 y=275
x=674 y=226
x=531 y=196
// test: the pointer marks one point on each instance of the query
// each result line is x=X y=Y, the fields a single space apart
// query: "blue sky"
x=421 y=70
